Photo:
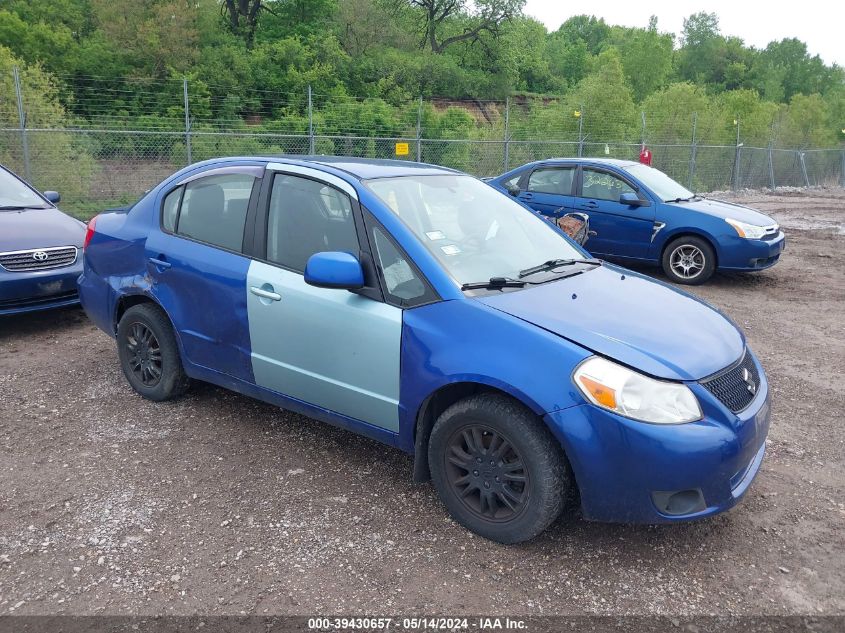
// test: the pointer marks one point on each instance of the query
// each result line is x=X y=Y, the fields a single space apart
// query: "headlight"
x=626 y=392
x=749 y=231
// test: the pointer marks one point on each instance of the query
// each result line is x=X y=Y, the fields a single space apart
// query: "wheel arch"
x=440 y=400
x=129 y=300
x=689 y=232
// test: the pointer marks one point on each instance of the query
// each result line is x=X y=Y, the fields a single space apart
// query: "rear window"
x=211 y=210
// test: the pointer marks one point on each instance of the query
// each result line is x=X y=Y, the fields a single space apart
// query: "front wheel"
x=689 y=260
x=497 y=469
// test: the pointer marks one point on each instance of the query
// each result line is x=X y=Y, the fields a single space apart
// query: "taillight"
x=89 y=232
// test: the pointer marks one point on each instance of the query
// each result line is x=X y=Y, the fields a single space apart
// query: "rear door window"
x=211 y=209
x=170 y=209
x=556 y=181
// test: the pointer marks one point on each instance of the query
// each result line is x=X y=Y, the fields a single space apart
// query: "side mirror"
x=334 y=269
x=52 y=196
x=632 y=200
x=513 y=190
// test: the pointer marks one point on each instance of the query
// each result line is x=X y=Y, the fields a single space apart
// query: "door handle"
x=265 y=294
x=590 y=204
x=160 y=263
x=526 y=196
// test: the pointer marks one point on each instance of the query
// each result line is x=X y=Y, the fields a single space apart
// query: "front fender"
x=668 y=234
x=465 y=341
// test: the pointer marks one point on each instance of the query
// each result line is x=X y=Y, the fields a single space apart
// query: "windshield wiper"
x=494 y=283
x=690 y=199
x=13 y=207
x=556 y=263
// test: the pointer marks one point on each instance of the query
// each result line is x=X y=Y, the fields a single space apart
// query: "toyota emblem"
x=39 y=256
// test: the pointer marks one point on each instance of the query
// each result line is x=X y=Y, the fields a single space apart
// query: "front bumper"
x=740 y=254
x=623 y=467
x=22 y=292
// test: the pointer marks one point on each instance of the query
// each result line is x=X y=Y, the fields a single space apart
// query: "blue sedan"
x=420 y=307
x=639 y=214
x=39 y=249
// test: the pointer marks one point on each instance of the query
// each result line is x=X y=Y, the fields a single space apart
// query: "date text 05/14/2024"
x=416 y=623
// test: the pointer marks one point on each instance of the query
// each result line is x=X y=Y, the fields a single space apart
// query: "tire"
x=149 y=355
x=478 y=498
x=689 y=260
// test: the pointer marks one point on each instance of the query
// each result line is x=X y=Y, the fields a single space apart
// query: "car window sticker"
x=397 y=273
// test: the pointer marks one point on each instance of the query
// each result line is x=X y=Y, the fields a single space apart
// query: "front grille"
x=771 y=231
x=735 y=386
x=38 y=259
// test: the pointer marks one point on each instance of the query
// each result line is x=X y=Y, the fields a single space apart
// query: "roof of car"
x=365 y=168
x=618 y=162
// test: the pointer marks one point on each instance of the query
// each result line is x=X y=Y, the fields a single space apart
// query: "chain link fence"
x=107 y=145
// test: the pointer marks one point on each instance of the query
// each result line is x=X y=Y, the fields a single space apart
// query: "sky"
x=819 y=23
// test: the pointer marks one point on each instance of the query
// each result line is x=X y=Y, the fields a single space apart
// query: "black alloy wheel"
x=487 y=473
x=144 y=354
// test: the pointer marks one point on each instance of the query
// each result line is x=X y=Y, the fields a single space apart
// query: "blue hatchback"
x=422 y=308
x=639 y=214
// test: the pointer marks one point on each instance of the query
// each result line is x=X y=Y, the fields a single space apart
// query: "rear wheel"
x=149 y=354
x=497 y=469
x=689 y=260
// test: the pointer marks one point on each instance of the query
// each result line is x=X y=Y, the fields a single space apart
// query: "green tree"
x=806 y=122
x=593 y=32
x=567 y=60
x=788 y=63
x=305 y=18
x=523 y=59
x=646 y=58
x=151 y=35
x=57 y=159
x=702 y=48
x=75 y=15
x=285 y=68
x=447 y=22
x=362 y=27
x=670 y=113
x=39 y=41
x=605 y=100
x=754 y=116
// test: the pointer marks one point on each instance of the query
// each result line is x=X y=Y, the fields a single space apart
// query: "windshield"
x=474 y=231
x=15 y=194
x=663 y=187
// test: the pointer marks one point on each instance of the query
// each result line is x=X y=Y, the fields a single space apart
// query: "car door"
x=548 y=189
x=620 y=230
x=331 y=348
x=197 y=268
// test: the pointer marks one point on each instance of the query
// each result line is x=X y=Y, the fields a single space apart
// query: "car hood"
x=632 y=319
x=721 y=209
x=39 y=228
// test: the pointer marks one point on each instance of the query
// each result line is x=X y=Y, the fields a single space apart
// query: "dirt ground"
x=220 y=504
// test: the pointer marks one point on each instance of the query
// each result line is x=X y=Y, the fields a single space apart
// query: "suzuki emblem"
x=749 y=382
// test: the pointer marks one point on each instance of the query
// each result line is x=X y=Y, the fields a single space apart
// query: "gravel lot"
x=220 y=504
